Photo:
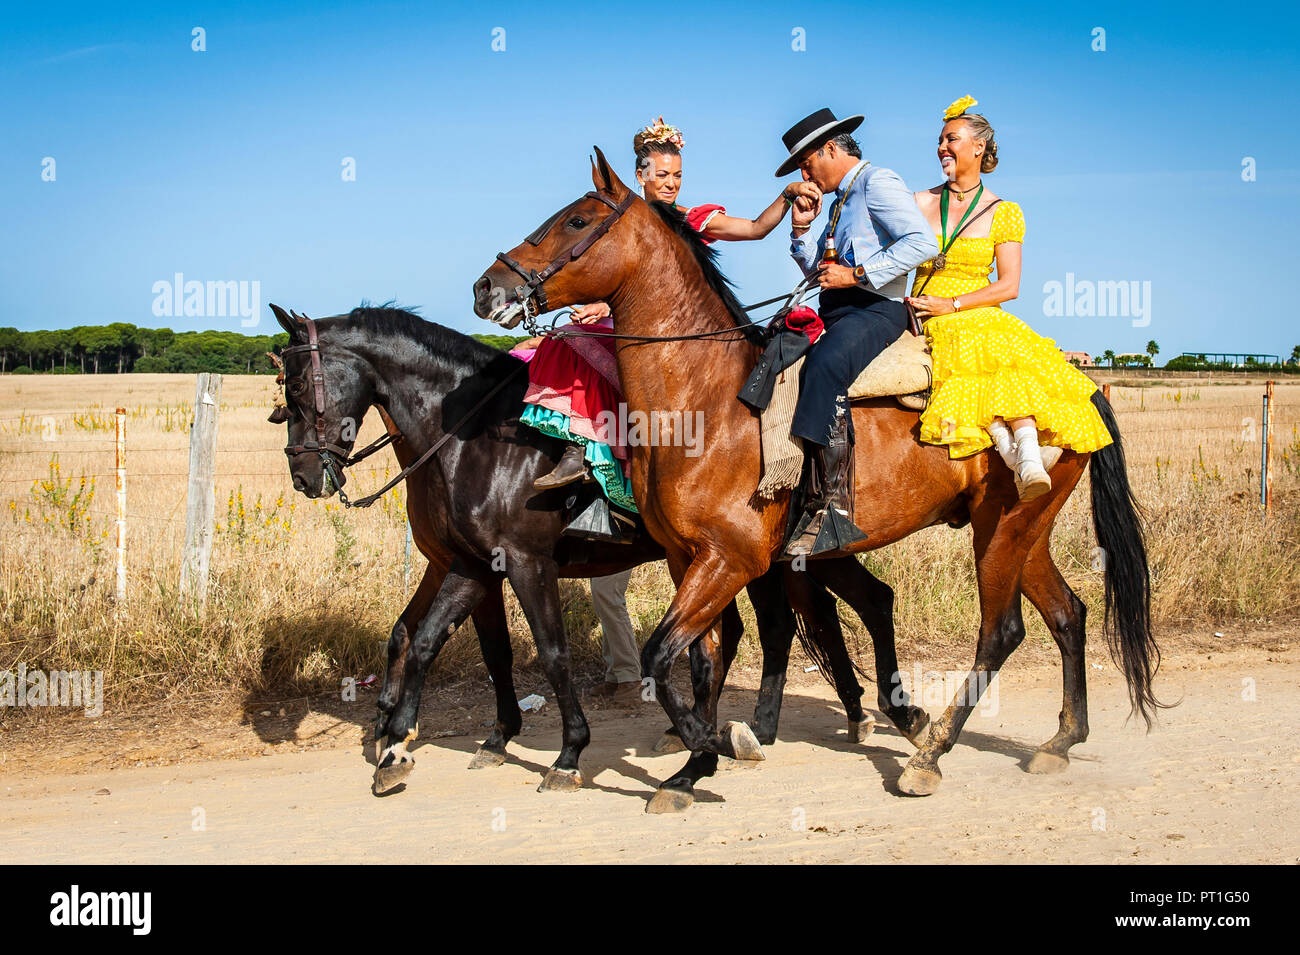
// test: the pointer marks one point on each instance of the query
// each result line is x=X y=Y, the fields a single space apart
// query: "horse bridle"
x=333 y=457
x=531 y=294
x=532 y=297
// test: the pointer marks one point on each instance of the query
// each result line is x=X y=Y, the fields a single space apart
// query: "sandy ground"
x=1216 y=782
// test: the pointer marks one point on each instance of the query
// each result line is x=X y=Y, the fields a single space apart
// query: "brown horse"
x=662 y=284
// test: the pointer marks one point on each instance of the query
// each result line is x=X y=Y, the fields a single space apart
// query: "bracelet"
x=788 y=201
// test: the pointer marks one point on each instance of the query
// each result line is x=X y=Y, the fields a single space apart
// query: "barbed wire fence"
x=106 y=453
x=193 y=516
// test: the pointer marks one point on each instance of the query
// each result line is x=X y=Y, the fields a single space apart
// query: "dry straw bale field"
x=304 y=593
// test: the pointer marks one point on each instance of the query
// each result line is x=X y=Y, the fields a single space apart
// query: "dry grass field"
x=304 y=593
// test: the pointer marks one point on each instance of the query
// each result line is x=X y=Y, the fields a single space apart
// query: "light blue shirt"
x=880 y=228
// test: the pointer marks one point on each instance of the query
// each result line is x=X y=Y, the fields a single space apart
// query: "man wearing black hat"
x=875 y=234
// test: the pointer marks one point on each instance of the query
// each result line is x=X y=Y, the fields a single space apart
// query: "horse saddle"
x=902 y=370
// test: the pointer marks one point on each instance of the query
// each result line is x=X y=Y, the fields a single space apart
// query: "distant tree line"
x=120 y=348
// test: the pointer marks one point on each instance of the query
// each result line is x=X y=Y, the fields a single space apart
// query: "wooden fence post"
x=200 y=503
x=1266 y=452
x=120 y=588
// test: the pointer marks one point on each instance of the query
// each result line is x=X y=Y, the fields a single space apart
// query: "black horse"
x=475 y=515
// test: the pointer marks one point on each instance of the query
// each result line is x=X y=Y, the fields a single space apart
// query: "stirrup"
x=835 y=532
x=595 y=523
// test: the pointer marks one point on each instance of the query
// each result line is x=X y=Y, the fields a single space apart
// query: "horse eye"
x=577 y=222
x=297 y=387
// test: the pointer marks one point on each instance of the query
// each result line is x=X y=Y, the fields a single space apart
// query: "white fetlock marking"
x=398 y=750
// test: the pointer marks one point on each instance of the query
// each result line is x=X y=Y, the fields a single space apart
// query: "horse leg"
x=399 y=641
x=823 y=641
x=776 y=626
x=458 y=595
x=494 y=641
x=702 y=594
x=729 y=629
x=1003 y=542
x=873 y=601
x=535 y=580
x=1066 y=616
x=1001 y=631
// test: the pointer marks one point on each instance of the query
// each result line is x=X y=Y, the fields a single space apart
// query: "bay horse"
x=689 y=345
x=474 y=514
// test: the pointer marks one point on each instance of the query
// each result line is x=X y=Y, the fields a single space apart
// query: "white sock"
x=1003 y=441
x=1027 y=450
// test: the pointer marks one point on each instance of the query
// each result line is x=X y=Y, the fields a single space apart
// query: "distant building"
x=1080 y=358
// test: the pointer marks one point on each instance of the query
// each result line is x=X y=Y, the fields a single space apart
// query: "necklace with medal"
x=941 y=260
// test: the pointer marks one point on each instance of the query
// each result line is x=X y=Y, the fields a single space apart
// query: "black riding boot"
x=827 y=524
x=572 y=467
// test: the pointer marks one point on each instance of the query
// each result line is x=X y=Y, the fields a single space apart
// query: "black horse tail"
x=1116 y=519
x=820 y=629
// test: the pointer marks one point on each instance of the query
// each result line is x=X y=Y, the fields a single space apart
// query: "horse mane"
x=444 y=344
x=706 y=257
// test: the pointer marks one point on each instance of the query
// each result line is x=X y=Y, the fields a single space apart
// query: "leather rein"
x=334 y=458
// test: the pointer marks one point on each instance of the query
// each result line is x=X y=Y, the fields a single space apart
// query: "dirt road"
x=1216 y=782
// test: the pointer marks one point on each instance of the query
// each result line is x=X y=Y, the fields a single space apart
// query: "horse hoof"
x=1046 y=764
x=391 y=776
x=919 y=780
x=670 y=800
x=860 y=730
x=670 y=742
x=487 y=758
x=744 y=744
x=561 y=781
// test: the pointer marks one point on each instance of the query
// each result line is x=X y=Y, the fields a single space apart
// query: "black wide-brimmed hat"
x=814 y=130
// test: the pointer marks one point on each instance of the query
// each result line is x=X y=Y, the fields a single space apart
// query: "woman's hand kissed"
x=807 y=204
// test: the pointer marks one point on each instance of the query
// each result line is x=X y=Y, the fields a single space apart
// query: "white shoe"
x=1032 y=480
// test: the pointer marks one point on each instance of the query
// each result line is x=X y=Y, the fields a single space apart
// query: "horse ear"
x=604 y=178
x=287 y=323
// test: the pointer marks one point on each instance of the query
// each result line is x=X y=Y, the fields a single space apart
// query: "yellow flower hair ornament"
x=959 y=106
x=661 y=132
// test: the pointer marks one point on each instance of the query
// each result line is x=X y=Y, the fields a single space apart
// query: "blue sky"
x=225 y=164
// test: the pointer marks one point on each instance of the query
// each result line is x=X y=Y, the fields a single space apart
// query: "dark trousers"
x=859 y=326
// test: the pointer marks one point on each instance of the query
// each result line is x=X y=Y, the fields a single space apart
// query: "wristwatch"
x=860 y=274
x=956 y=305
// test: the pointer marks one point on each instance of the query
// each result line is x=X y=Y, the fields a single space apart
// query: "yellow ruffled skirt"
x=989 y=364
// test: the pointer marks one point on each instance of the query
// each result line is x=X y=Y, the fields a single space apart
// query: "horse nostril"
x=481 y=287
x=299 y=485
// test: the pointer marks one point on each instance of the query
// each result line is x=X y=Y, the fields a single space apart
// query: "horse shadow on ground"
x=458 y=715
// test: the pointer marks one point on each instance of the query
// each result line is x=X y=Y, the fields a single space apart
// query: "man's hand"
x=590 y=314
x=835 y=276
x=927 y=306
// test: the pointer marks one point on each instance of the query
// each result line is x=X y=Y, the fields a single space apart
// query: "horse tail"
x=1117 y=521
x=818 y=625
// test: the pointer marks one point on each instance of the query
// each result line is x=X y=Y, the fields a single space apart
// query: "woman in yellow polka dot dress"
x=991 y=370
